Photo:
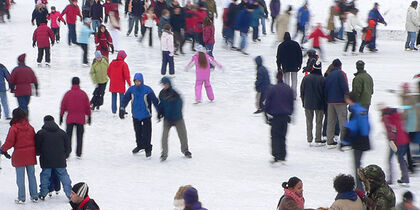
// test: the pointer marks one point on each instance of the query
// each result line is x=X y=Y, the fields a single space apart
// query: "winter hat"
x=81 y=189
x=21 y=58
x=53 y=8
x=98 y=54
x=190 y=196
x=87 y=20
x=165 y=80
x=48 y=118
x=337 y=63
x=318 y=65
x=360 y=65
x=75 y=81
x=408 y=196
x=122 y=54
x=200 y=48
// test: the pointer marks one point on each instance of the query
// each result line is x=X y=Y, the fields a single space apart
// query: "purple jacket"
x=274 y=8
x=197 y=206
x=279 y=100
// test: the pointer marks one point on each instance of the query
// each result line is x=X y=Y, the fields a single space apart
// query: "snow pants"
x=401 y=152
x=336 y=111
x=98 y=95
x=278 y=136
x=143 y=130
x=62 y=175
x=207 y=85
x=80 y=129
x=182 y=134
x=319 y=114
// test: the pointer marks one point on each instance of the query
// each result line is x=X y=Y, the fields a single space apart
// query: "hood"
x=287 y=36
x=22 y=125
x=121 y=55
x=258 y=60
x=50 y=126
x=139 y=76
x=372 y=176
x=372 y=23
x=351 y=195
x=21 y=59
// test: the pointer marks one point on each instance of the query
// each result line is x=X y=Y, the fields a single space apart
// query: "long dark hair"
x=18 y=115
x=207 y=21
x=99 y=33
x=202 y=60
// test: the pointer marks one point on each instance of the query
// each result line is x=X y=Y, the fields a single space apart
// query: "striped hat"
x=81 y=189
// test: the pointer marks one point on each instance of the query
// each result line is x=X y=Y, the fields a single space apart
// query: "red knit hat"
x=21 y=58
x=122 y=54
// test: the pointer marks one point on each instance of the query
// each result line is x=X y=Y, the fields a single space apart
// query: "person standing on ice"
x=302 y=21
x=83 y=39
x=202 y=64
x=376 y=16
x=71 y=12
x=274 y=12
x=96 y=12
x=55 y=17
x=4 y=77
x=103 y=42
x=115 y=27
x=278 y=106
x=262 y=83
x=170 y=108
x=282 y=24
x=334 y=12
x=118 y=73
x=412 y=26
x=21 y=81
x=141 y=108
x=167 y=47
x=242 y=23
x=350 y=27
x=368 y=35
x=40 y=14
x=363 y=85
x=41 y=38
x=289 y=61
x=99 y=78
x=76 y=103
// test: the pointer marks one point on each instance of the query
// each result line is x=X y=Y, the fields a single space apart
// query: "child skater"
x=149 y=19
x=316 y=35
x=83 y=39
x=103 y=41
x=167 y=46
x=55 y=17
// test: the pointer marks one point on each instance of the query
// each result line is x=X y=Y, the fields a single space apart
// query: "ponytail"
x=291 y=183
x=285 y=185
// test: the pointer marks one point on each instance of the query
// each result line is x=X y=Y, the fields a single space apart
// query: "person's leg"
x=390 y=167
x=20 y=181
x=209 y=48
x=69 y=131
x=165 y=134
x=362 y=46
x=324 y=127
x=319 y=114
x=45 y=177
x=130 y=24
x=341 y=111
x=171 y=65
x=64 y=178
x=138 y=131
x=147 y=134
x=209 y=90
x=198 y=85
x=293 y=76
x=182 y=134
x=332 y=35
x=286 y=78
x=243 y=41
x=136 y=25
x=33 y=191
x=114 y=102
x=150 y=37
x=121 y=96
x=69 y=33
x=106 y=18
x=303 y=34
x=412 y=40
x=27 y=99
x=54 y=182
x=80 y=130
x=275 y=138
x=40 y=54
x=74 y=36
x=309 y=114
x=353 y=39
x=101 y=93
x=341 y=31
x=332 y=117
x=348 y=41
x=165 y=55
x=282 y=138
x=85 y=53
x=372 y=43
x=254 y=33
x=264 y=31
x=402 y=151
x=407 y=42
x=3 y=98
x=47 y=55
x=273 y=18
x=357 y=154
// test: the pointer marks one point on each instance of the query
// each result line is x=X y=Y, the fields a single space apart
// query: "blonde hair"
x=181 y=190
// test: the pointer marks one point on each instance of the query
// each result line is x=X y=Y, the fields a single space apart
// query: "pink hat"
x=122 y=54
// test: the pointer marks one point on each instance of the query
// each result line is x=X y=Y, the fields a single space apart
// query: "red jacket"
x=55 y=17
x=86 y=204
x=42 y=36
x=21 y=137
x=7 y=6
x=201 y=14
x=190 y=21
x=107 y=6
x=394 y=127
x=368 y=34
x=71 y=11
x=22 y=77
x=76 y=103
x=208 y=35
x=316 y=34
x=103 y=41
x=118 y=73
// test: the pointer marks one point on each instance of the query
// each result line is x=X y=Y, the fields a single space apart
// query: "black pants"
x=85 y=52
x=362 y=46
x=301 y=29
x=273 y=18
x=41 y=54
x=80 y=129
x=357 y=154
x=278 y=136
x=418 y=38
x=351 y=39
x=106 y=18
x=409 y=158
x=56 y=33
x=178 y=41
x=190 y=36
x=143 y=130
x=98 y=95
x=143 y=33
x=254 y=33
x=167 y=59
x=332 y=35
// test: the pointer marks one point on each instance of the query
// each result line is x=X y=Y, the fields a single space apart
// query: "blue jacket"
x=84 y=34
x=255 y=17
x=170 y=105
x=279 y=100
x=4 y=76
x=303 y=16
x=336 y=86
x=358 y=128
x=143 y=97
x=263 y=79
x=243 y=21
x=375 y=15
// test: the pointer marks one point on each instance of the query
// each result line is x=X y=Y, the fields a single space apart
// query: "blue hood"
x=351 y=195
x=139 y=76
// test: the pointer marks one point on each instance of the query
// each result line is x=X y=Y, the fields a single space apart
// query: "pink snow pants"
x=207 y=85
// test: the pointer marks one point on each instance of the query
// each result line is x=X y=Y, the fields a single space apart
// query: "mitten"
x=61 y=120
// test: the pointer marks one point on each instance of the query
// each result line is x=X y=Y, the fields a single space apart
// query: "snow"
x=230 y=146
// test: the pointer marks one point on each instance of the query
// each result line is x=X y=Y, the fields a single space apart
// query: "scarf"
x=300 y=201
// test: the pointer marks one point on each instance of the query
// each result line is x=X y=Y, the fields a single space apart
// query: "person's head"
x=98 y=55
x=305 y=5
x=166 y=82
x=75 y=81
x=79 y=192
x=102 y=28
x=167 y=27
x=311 y=53
x=207 y=21
x=351 y=98
x=360 y=65
x=138 y=79
x=21 y=59
x=258 y=61
x=177 y=10
x=165 y=13
x=408 y=200
x=53 y=9
x=289 y=9
x=343 y=183
x=355 y=11
x=376 y=5
x=48 y=118
x=18 y=114
x=372 y=176
x=414 y=4
x=180 y=193
x=287 y=36
x=337 y=63
x=295 y=185
x=74 y=2
x=190 y=196
x=150 y=10
x=337 y=2
x=121 y=55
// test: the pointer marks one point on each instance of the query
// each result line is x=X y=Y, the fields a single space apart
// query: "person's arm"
x=299 y=57
x=126 y=72
x=214 y=61
x=51 y=35
x=67 y=143
x=127 y=2
x=357 y=86
x=154 y=100
x=343 y=82
x=63 y=107
x=10 y=140
x=61 y=18
x=391 y=130
x=93 y=73
x=88 y=111
x=34 y=38
x=38 y=143
x=302 y=90
x=189 y=64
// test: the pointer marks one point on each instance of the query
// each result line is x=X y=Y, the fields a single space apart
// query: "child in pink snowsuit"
x=202 y=73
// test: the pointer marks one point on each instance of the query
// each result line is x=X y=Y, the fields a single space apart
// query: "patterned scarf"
x=300 y=201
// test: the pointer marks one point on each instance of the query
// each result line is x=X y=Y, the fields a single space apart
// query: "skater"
x=407 y=202
x=80 y=199
x=118 y=73
x=357 y=132
x=21 y=138
x=202 y=64
x=103 y=42
x=289 y=61
x=336 y=87
x=21 y=80
x=141 y=108
x=293 y=195
x=55 y=17
x=161 y=22
x=76 y=103
x=41 y=38
x=412 y=26
x=367 y=36
x=278 y=107
x=160 y=5
x=83 y=39
x=347 y=198
x=178 y=26
x=256 y=15
x=274 y=12
x=71 y=11
x=303 y=18
x=115 y=27
x=262 y=83
x=350 y=27
x=179 y=202
x=208 y=35
x=135 y=10
x=312 y=93
x=4 y=77
x=98 y=74
x=334 y=12
x=282 y=24
x=191 y=199
x=149 y=19
x=53 y=147
x=170 y=108
x=231 y=15
x=242 y=23
x=96 y=13
x=376 y=16
x=40 y=14
x=167 y=47
x=399 y=141
x=379 y=195
x=363 y=85
x=86 y=6
x=325 y=124
x=316 y=35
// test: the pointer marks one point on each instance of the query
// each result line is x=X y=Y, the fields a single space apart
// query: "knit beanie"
x=75 y=81
x=53 y=8
x=190 y=196
x=81 y=189
x=122 y=54
x=21 y=58
x=360 y=65
x=98 y=54
x=408 y=196
x=165 y=80
x=318 y=65
x=48 y=118
x=337 y=63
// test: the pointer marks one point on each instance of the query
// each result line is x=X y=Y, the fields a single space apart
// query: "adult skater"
x=282 y=24
x=289 y=61
x=262 y=83
x=412 y=26
x=274 y=12
x=278 y=107
x=83 y=39
x=40 y=14
x=76 y=103
x=41 y=38
x=141 y=108
x=334 y=12
x=363 y=85
x=96 y=13
x=79 y=198
x=376 y=16
x=99 y=78
x=303 y=17
x=53 y=147
x=170 y=108
x=293 y=195
x=21 y=81
x=118 y=73
x=71 y=12
x=135 y=10
x=350 y=27
x=242 y=23
x=4 y=77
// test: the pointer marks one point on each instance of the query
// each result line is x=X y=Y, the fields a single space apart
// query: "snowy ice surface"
x=230 y=146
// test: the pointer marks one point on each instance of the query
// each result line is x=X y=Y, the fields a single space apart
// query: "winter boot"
x=136 y=150
x=148 y=154
x=163 y=158
x=188 y=154
x=17 y=201
x=35 y=200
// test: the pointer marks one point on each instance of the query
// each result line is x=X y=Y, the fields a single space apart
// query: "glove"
x=289 y=119
x=89 y=120
x=5 y=154
x=112 y=49
x=61 y=120
x=36 y=92
x=122 y=113
x=104 y=48
x=268 y=118
x=33 y=44
x=52 y=43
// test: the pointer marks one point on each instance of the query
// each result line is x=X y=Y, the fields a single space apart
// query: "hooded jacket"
x=142 y=98
x=394 y=127
x=358 y=128
x=279 y=100
x=98 y=71
x=243 y=21
x=52 y=145
x=71 y=11
x=76 y=103
x=289 y=55
x=347 y=201
x=363 y=86
x=42 y=36
x=312 y=91
x=118 y=73
x=336 y=86
x=263 y=78
x=170 y=104
x=21 y=79
x=55 y=19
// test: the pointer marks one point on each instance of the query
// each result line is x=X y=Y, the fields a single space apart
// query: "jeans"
x=166 y=58
x=62 y=176
x=357 y=154
x=143 y=130
x=72 y=33
x=114 y=101
x=23 y=102
x=98 y=95
x=351 y=40
x=230 y=35
x=244 y=37
x=56 y=34
x=79 y=134
x=263 y=25
x=3 y=98
x=209 y=48
x=20 y=181
x=402 y=150
x=278 y=136
x=411 y=40
x=290 y=78
x=41 y=54
x=340 y=33
x=254 y=33
x=182 y=134
x=95 y=25
x=55 y=184
x=133 y=21
x=85 y=52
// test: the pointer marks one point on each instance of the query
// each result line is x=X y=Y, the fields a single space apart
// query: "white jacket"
x=411 y=22
x=167 y=42
x=352 y=23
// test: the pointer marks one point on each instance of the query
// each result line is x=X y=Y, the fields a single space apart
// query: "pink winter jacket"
x=167 y=42
x=203 y=73
x=55 y=16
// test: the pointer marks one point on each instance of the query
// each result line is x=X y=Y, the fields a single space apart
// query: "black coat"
x=137 y=7
x=39 y=15
x=231 y=14
x=289 y=55
x=177 y=22
x=52 y=145
x=312 y=91
x=97 y=11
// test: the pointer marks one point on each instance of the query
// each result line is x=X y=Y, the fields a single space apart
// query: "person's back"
x=279 y=100
x=312 y=91
x=336 y=86
x=42 y=35
x=22 y=77
x=76 y=104
x=358 y=128
x=289 y=55
x=118 y=73
x=263 y=79
x=98 y=72
x=363 y=86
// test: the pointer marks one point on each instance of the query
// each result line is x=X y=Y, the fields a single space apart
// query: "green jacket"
x=98 y=71
x=363 y=86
